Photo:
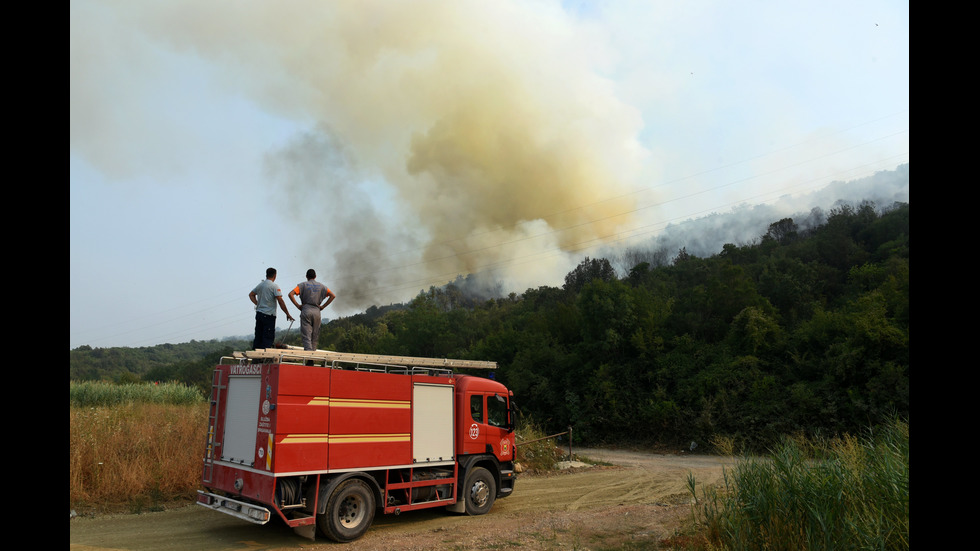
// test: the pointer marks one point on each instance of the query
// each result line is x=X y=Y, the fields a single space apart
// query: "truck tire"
x=479 y=491
x=349 y=512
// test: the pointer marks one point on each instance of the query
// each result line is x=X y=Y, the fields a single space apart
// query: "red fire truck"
x=323 y=439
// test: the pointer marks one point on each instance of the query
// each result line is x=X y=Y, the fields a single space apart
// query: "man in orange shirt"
x=312 y=293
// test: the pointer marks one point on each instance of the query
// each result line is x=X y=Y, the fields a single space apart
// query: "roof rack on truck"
x=349 y=360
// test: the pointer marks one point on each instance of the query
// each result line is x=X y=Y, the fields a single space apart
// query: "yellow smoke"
x=490 y=119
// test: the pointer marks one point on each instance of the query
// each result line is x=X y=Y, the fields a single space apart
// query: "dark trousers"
x=265 y=331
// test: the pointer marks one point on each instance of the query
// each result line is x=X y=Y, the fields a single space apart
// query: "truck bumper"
x=240 y=509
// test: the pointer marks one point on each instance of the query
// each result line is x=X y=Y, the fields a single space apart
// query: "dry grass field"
x=134 y=455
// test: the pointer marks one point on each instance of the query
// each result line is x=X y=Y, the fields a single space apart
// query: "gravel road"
x=642 y=498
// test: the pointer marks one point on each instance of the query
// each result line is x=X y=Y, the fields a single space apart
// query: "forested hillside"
x=799 y=331
x=803 y=330
x=190 y=363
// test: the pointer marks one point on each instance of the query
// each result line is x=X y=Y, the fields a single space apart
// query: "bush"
x=534 y=451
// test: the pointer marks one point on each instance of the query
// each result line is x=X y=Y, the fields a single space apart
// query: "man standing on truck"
x=311 y=292
x=264 y=296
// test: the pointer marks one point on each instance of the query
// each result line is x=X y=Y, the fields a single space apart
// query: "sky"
x=393 y=146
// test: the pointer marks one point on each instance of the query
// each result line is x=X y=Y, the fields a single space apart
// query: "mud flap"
x=308 y=531
x=458 y=507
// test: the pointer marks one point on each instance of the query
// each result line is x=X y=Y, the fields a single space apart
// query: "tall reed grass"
x=845 y=493
x=99 y=393
x=134 y=454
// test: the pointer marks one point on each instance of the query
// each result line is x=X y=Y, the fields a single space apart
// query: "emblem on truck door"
x=474 y=431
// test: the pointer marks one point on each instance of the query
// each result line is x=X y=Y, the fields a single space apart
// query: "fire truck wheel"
x=349 y=513
x=480 y=491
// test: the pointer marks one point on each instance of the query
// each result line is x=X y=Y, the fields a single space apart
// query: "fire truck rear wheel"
x=479 y=491
x=349 y=513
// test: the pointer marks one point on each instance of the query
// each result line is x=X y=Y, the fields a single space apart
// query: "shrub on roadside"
x=535 y=452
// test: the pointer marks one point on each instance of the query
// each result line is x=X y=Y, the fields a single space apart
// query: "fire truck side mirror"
x=511 y=413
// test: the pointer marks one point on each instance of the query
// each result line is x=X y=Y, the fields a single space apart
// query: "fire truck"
x=324 y=440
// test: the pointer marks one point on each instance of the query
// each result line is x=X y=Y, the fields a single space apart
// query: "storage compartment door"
x=432 y=423
x=241 y=419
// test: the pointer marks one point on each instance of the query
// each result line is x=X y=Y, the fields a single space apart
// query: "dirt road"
x=642 y=499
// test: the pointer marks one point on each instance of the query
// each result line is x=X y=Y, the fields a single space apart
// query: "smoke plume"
x=451 y=137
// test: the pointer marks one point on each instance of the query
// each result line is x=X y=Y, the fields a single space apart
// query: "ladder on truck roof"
x=328 y=357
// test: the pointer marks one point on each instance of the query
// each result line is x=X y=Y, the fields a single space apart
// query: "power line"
x=161 y=319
